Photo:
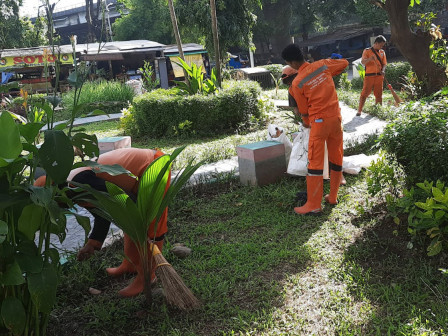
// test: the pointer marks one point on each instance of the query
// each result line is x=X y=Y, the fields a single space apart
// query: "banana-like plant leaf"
x=29 y=264
x=88 y=144
x=12 y=276
x=30 y=131
x=56 y=155
x=11 y=146
x=84 y=222
x=112 y=170
x=13 y=315
x=30 y=220
x=3 y=231
x=42 y=287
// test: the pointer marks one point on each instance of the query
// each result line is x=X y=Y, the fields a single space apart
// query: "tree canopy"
x=147 y=20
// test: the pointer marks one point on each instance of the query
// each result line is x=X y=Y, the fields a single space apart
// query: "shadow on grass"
x=408 y=292
x=246 y=242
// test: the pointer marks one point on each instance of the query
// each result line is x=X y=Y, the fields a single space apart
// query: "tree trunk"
x=414 y=46
x=216 y=41
x=90 y=33
x=176 y=33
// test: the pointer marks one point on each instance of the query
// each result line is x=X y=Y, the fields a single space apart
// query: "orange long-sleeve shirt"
x=314 y=90
x=374 y=67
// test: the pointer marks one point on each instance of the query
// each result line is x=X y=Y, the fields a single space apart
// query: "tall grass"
x=116 y=95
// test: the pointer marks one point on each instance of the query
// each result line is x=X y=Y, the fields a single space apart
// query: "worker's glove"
x=89 y=249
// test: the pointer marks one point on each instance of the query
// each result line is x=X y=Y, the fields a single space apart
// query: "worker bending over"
x=314 y=91
x=374 y=59
x=136 y=161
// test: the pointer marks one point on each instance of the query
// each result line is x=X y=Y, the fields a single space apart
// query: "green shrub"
x=418 y=138
x=427 y=214
x=116 y=95
x=32 y=99
x=357 y=83
x=396 y=73
x=161 y=113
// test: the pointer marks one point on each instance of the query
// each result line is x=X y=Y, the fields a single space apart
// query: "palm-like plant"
x=153 y=198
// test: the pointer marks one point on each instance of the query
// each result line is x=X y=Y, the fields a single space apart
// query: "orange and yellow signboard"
x=33 y=60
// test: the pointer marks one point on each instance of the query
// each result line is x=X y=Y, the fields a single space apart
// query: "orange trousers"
x=374 y=83
x=330 y=131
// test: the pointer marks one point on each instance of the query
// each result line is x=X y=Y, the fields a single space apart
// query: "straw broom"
x=397 y=98
x=176 y=292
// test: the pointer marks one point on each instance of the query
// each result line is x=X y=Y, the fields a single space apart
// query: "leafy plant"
x=428 y=213
x=158 y=113
x=383 y=178
x=153 y=198
x=195 y=83
x=421 y=160
x=149 y=83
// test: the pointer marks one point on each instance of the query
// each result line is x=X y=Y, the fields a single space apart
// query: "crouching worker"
x=315 y=94
x=136 y=161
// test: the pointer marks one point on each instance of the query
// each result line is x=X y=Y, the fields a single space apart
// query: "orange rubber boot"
x=314 y=187
x=129 y=261
x=335 y=182
x=138 y=284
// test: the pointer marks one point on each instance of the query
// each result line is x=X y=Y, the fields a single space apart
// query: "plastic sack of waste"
x=277 y=133
x=353 y=164
x=298 y=162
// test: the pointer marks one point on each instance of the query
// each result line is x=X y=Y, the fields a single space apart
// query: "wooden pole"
x=216 y=41
x=176 y=33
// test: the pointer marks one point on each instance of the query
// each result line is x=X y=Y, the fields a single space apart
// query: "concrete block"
x=261 y=163
x=111 y=143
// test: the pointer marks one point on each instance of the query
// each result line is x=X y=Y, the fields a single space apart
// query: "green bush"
x=161 y=113
x=116 y=95
x=418 y=138
x=32 y=99
x=396 y=73
x=357 y=83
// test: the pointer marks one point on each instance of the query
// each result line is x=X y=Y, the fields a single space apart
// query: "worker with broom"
x=314 y=91
x=136 y=161
x=374 y=59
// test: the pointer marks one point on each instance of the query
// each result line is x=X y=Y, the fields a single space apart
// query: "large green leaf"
x=42 y=287
x=30 y=131
x=30 y=220
x=152 y=187
x=88 y=144
x=41 y=196
x=12 y=276
x=13 y=315
x=3 y=231
x=84 y=222
x=56 y=155
x=11 y=146
x=29 y=263
x=112 y=170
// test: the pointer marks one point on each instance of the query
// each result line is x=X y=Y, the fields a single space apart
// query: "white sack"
x=273 y=131
x=298 y=162
x=353 y=164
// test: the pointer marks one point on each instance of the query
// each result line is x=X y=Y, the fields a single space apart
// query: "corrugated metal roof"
x=63 y=49
x=338 y=35
x=186 y=48
x=119 y=47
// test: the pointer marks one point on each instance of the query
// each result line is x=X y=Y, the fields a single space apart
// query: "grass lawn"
x=259 y=269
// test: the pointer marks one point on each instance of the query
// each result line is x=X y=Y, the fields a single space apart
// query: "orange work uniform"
x=374 y=78
x=314 y=91
x=136 y=160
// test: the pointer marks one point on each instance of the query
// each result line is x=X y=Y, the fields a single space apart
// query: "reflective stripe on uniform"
x=312 y=75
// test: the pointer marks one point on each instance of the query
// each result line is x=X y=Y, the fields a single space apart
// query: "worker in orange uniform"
x=374 y=59
x=314 y=91
x=136 y=161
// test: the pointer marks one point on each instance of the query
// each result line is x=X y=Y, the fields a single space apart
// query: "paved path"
x=354 y=128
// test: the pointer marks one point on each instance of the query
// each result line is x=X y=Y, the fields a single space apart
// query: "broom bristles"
x=176 y=292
